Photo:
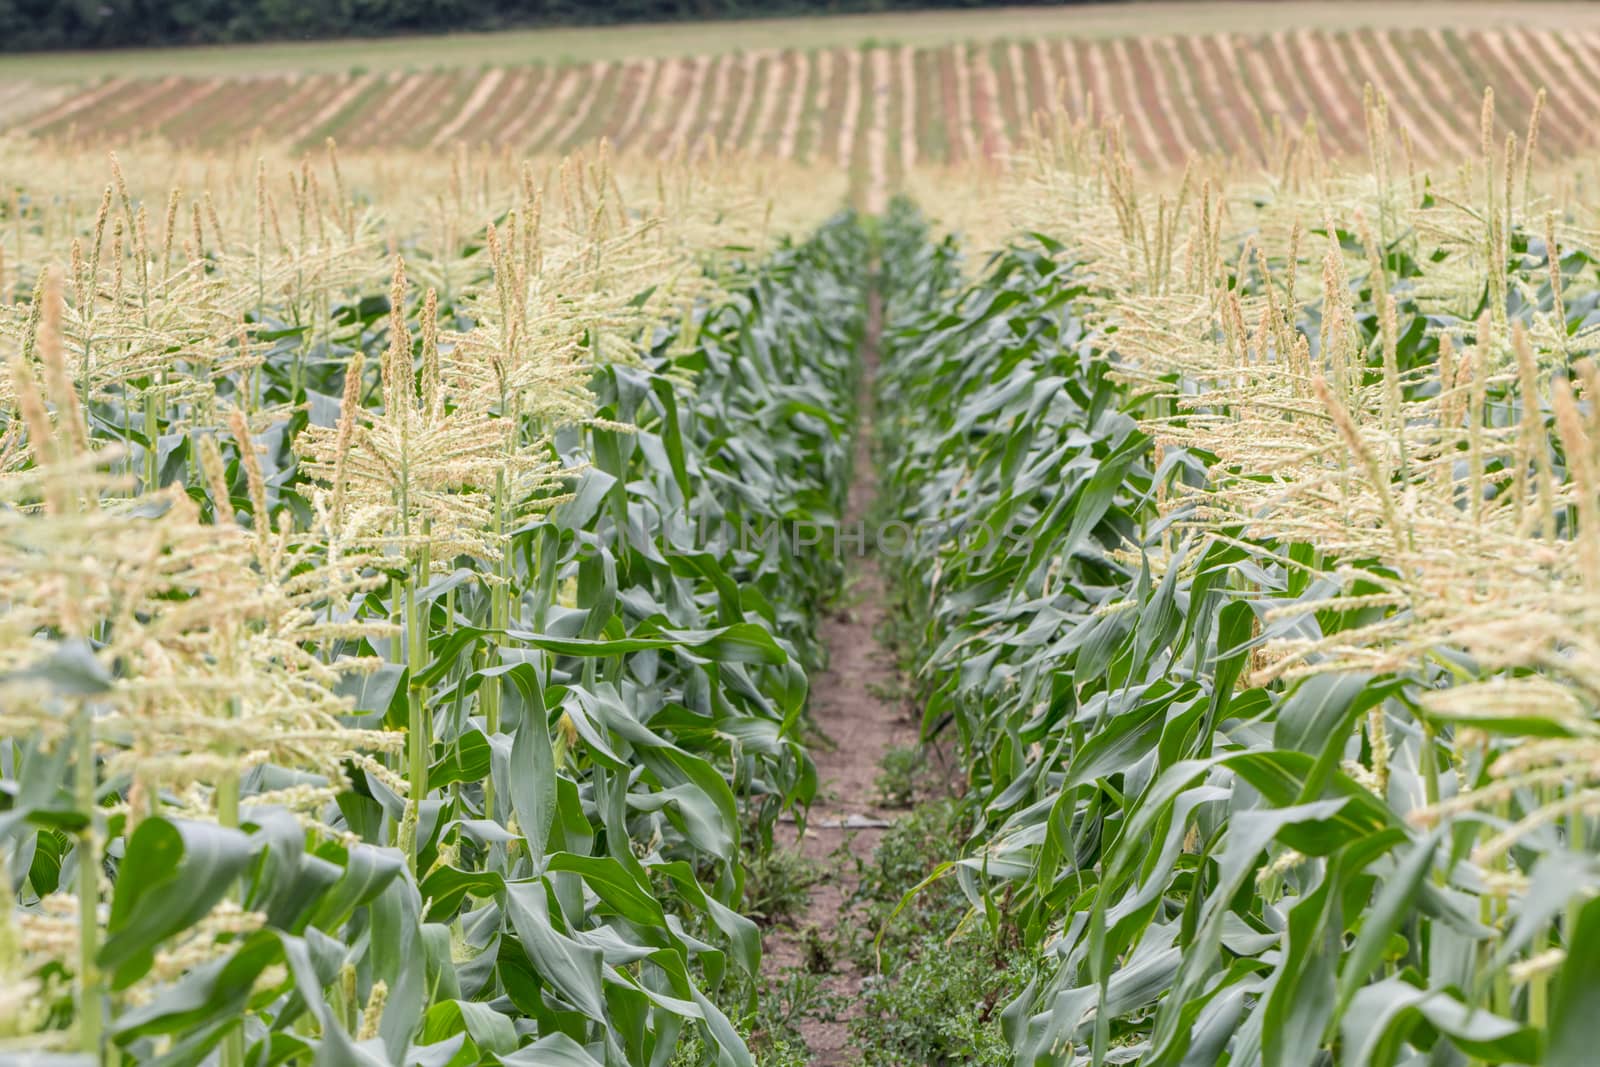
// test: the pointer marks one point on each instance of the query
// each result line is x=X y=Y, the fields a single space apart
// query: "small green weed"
x=943 y=1005
x=820 y=951
x=794 y=996
x=908 y=853
x=942 y=984
x=778 y=885
x=900 y=775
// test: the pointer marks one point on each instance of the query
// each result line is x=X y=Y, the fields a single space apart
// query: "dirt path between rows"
x=851 y=707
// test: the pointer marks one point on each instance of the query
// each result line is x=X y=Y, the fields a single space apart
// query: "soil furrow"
x=859 y=724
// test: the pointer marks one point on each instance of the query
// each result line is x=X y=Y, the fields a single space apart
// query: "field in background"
x=583 y=44
x=881 y=108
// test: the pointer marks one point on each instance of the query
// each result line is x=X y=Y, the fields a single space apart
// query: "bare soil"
x=850 y=706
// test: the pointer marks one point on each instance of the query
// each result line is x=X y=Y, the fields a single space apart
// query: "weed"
x=890 y=692
x=910 y=850
x=819 y=951
x=772 y=1027
x=797 y=995
x=901 y=772
x=942 y=1005
x=939 y=983
x=778 y=885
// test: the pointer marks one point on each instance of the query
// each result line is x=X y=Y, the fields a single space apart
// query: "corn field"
x=1221 y=93
x=386 y=677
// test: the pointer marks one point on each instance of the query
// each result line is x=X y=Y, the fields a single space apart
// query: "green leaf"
x=1575 y=1001
x=573 y=969
x=445 y=886
x=1394 y=904
x=739 y=643
x=615 y=886
x=532 y=781
x=488 y=1029
x=71 y=670
x=556 y=1050
x=1384 y=1014
x=218 y=989
x=466 y=760
x=367 y=872
x=173 y=874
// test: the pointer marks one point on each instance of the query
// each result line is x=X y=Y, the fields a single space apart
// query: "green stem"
x=1430 y=778
x=417 y=705
x=1539 y=987
x=397 y=619
x=1577 y=840
x=228 y=816
x=233 y=1047
x=152 y=432
x=228 y=786
x=90 y=993
x=228 y=801
x=1430 y=764
x=499 y=612
x=1502 y=978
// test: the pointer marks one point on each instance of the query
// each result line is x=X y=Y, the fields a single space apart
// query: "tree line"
x=30 y=25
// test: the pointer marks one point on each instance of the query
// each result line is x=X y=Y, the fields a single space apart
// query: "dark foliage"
x=47 y=24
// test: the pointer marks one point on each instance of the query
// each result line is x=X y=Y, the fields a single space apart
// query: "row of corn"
x=1261 y=599
x=370 y=691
